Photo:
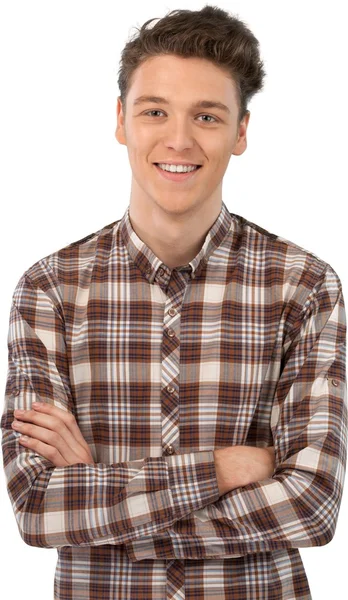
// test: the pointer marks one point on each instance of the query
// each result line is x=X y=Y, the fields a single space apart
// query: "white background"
x=64 y=176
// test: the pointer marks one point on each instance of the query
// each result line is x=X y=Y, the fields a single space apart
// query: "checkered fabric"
x=244 y=345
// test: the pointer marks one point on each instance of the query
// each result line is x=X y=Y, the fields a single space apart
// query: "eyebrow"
x=198 y=104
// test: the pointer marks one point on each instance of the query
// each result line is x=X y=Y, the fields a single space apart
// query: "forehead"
x=165 y=75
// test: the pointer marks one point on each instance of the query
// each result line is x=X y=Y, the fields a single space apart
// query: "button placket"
x=170 y=366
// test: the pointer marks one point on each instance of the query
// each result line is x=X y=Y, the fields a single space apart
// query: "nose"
x=178 y=135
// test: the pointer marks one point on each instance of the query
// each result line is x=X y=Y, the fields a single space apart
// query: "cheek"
x=141 y=136
x=220 y=162
x=225 y=155
x=219 y=150
x=140 y=146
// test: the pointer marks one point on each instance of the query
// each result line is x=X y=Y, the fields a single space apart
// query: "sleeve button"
x=334 y=382
x=15 y=392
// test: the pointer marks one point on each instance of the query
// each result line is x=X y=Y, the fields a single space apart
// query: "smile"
x=172 y=176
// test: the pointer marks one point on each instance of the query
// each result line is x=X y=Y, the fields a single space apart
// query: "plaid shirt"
x=245 y=345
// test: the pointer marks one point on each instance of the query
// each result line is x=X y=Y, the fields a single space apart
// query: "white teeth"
x=177 y=168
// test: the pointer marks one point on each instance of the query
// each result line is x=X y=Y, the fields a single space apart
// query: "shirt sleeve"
x=82 y=504
x=299 y=505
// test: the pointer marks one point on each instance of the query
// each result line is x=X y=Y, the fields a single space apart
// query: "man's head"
x=187 y=57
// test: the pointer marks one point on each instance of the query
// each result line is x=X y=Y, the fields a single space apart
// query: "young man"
x=191 y=365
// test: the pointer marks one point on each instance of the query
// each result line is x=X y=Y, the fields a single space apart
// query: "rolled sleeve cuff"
x=192 y=481
x=193 y=485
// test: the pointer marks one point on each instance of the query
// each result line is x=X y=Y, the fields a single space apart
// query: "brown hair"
x=210 y=33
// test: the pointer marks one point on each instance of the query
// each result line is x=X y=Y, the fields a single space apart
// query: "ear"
x=120 y=133
x=241 y=141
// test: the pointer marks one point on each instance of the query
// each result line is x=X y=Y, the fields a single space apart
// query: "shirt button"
x=172 y=312
x=334 y=382
x=170 y=450
x=15 y=392
x=161 y=272
x=170 y=389
x=171 y=332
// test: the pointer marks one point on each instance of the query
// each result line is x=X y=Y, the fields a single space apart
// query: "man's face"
x=158 y=132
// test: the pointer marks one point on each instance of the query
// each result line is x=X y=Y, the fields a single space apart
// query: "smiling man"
x=167 y=129
x=192 y=434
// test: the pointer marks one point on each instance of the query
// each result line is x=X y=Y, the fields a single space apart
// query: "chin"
x=177 y=206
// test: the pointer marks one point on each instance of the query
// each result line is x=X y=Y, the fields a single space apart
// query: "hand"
x=237 y=466
x=54 y=435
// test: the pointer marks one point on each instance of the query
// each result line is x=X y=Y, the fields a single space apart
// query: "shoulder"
x=296 y=269
x=69 y=266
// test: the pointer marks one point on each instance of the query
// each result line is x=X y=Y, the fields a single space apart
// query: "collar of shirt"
x=153 y=268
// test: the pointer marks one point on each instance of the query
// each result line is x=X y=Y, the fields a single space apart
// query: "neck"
x=175 y=238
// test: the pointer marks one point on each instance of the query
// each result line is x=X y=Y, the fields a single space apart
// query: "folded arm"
x=299 y=505
x=82 y=504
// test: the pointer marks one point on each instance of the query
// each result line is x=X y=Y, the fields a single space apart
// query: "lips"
x=183 y=164
x=177 y=176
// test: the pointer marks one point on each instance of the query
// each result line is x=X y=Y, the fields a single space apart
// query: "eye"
x=161 y=111
x=152 y=111
x=210 y=117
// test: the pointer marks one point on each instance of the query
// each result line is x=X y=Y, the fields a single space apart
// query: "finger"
x=44 y=408
x=44 y=450
x=54 y=431
x=66 y=416
x=52 y=439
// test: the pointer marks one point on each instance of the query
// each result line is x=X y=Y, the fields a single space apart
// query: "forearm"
x=66 y=506
x=237 y=466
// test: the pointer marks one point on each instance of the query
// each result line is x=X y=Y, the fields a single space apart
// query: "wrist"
x=228 y=477
x=238 y=466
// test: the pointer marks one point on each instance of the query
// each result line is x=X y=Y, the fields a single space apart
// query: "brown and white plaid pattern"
x=243 y=345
